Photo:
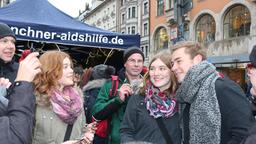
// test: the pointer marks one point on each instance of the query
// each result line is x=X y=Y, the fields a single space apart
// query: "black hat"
x=252 y=56
x=5 y=30
x=103 y=71
x=132 y=50
x=78 y=70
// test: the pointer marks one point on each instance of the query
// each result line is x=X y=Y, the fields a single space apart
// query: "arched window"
x=205 y=29
x=161 y=39
x=237 y=22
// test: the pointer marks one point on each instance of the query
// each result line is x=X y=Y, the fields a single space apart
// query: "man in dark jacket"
x=214 y=109
x=8 y=67
x=17 y=124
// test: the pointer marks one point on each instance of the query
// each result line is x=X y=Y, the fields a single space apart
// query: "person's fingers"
x=2 y=81
x=37 y=70
x=8 y=84
x=36 y=64
x=31 y=55
x=5 y=82
x=29 y=67
x=86 y=140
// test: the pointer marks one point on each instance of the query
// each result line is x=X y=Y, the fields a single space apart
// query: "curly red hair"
x=47 y=80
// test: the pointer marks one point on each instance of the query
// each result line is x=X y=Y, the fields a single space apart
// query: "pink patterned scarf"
x=67 y=104
x=158 y=103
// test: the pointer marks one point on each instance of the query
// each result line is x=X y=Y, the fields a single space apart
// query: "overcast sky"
x=70 y=7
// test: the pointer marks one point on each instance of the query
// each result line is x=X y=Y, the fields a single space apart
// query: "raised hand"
x=29 y=68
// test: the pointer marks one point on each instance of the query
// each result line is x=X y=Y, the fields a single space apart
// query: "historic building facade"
x=227 y=29
x=161 y=12
x=123 y=16
x=103 y=15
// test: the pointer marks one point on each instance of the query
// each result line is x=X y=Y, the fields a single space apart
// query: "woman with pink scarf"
x=59 y=106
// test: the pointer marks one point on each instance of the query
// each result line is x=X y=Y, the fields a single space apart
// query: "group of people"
x=180 y=99
x=39 y=103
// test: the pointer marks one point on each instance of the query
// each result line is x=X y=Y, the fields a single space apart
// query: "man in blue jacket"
x=214 y=109
x=17 y=123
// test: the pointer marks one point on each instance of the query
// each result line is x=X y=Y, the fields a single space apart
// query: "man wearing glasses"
x=129 y=81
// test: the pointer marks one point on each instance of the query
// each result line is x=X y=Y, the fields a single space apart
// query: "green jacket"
x=112 y=108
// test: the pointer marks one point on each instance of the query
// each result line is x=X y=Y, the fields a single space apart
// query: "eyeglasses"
x=250 y=66
x=133 y=61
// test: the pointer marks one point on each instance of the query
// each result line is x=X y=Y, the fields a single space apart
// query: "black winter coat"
x=17 y=125
x=139 y=126
x=9 y=70
x=91 y=90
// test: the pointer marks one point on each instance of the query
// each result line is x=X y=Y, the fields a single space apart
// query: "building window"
x=168 y=4
x=129 y=30
x=146 y=51
x=123 y=18
x=145 y=8
x=145 y=32
x=161 y=39
x=205 y=29
x=129 y=13
x=133 y=30
x=237 y=22
x=122 y=2
x=133 y=12
x=160 y=7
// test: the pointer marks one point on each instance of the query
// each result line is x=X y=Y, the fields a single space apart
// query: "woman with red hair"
x=59 y=110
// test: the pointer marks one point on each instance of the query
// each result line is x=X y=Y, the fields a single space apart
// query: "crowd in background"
x=180 y=98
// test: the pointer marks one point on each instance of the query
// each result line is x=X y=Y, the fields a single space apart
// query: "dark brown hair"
x=165 y=57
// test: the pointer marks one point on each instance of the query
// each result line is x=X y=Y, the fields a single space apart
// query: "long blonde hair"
x=47 y=80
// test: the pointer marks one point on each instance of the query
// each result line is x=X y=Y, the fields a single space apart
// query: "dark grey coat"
x=16 y=126
x=138 y=125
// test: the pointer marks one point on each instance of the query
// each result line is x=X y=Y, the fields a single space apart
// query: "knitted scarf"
x=158 y=104
x=198 y=89
x=67 y=105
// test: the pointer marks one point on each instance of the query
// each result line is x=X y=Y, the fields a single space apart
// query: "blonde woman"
x=59 y=107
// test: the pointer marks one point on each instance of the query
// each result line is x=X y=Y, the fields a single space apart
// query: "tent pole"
x=57 y=47
x=108 y=56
